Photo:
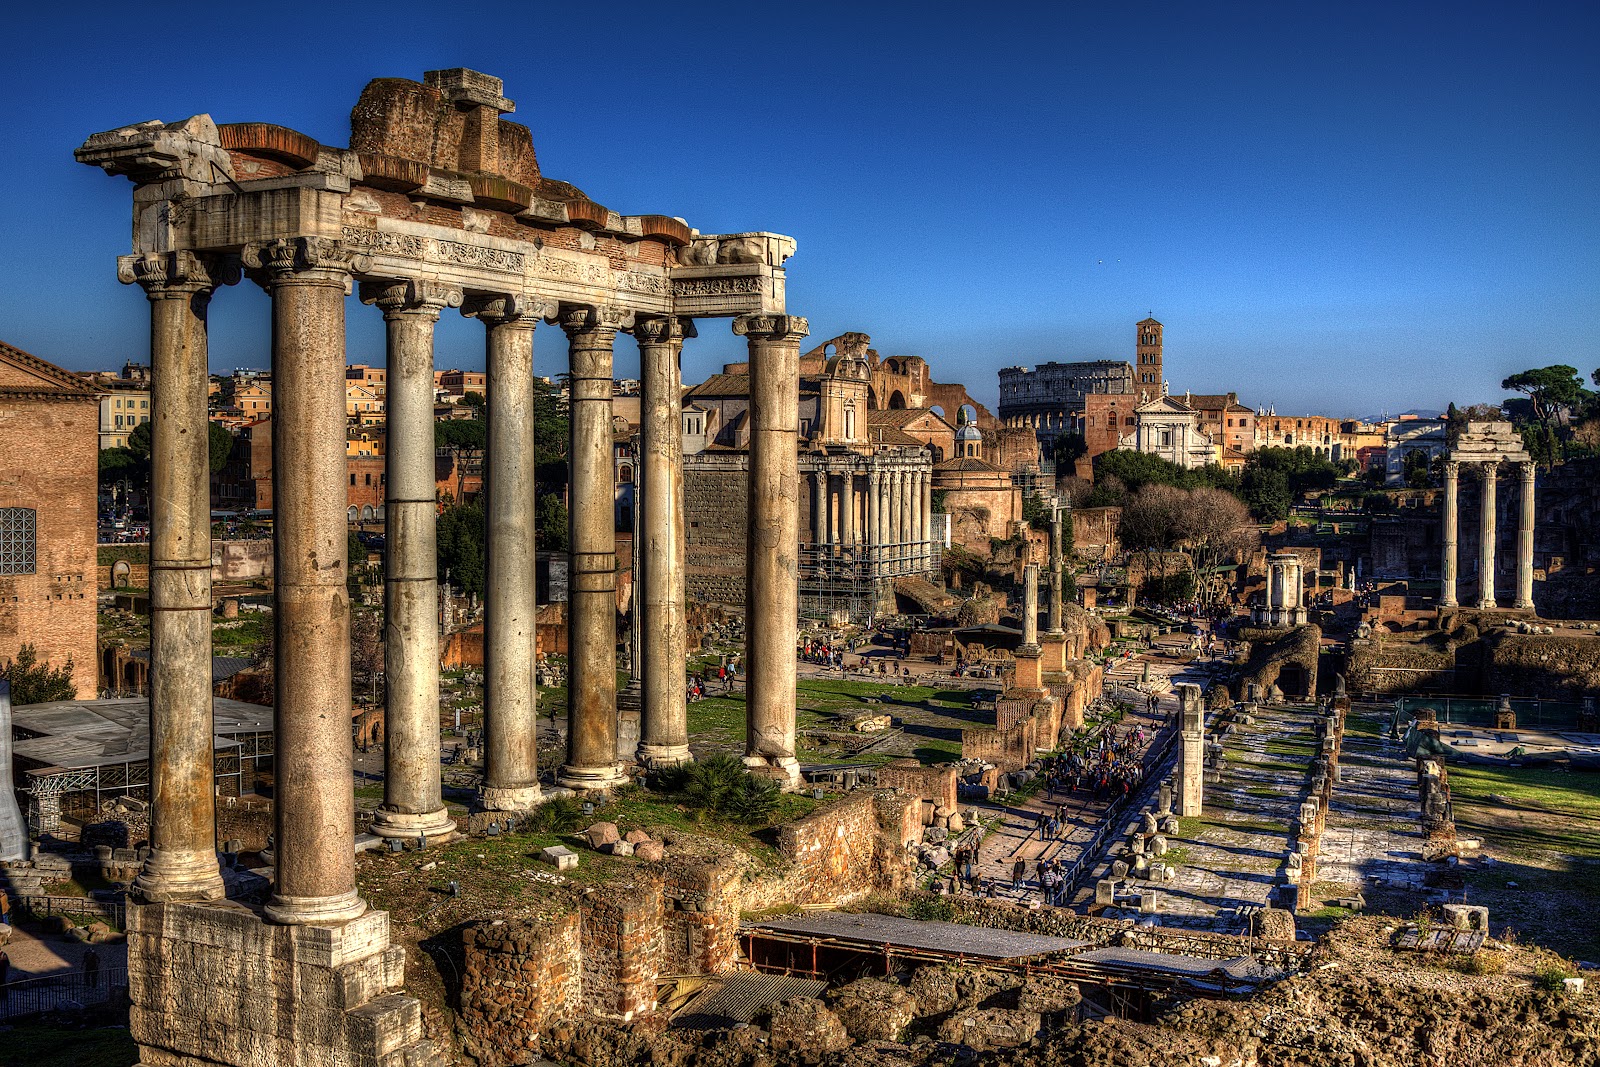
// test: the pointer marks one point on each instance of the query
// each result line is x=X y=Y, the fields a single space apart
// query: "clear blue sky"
x=1339 y=208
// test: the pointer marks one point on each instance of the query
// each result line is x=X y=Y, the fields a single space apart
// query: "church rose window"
x=17 y=533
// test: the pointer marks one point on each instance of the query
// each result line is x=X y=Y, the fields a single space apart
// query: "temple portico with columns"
x=1487 y=446
x=437 y=204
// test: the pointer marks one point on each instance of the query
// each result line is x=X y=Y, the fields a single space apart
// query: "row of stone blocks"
x=215 y=984
x=1301 y=869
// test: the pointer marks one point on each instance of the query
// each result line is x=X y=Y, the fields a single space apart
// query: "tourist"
x=1019 y=872
x=91 y=968
x=5 y=973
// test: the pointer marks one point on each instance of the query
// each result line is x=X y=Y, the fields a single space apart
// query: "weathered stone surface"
x=990 y=1028
x=874 y=1010
x=636 y=837
x=1275 y=924
x=650 y=852
x=1046 y=994
x=602 y=833
x=935 y=990
x=806 y=1025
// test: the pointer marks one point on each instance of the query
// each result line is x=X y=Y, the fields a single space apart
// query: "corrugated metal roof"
x=954 y=938
x=1240 y=967
x=78 y=734
x=742 y=996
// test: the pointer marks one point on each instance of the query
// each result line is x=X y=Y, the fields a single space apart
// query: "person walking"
x=91 y=968
x=1019 y=872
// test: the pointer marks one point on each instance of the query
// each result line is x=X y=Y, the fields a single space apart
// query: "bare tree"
x=366 y=650
x=1215 y=526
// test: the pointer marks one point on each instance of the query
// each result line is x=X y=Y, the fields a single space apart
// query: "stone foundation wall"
x=936 y=784
x=848 y=849
x=1008 y=749
x=214 y=984
x=701 y=901
x=715 y=492
x=521 y=976
x=622 y=948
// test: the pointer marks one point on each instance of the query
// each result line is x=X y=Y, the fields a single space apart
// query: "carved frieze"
x=435 y=250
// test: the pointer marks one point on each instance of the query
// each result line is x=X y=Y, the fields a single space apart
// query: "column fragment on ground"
x=1487 y=536
x=413 y=801
x=308 y=279
x=1447 y=591
x=1525 y=538
x=664 y=729
x=592 y=580
x=510 y=701
x=772 y=594
x=183 y=859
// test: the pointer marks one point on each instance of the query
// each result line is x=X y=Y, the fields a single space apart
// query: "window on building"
x=352 y=479
x=18 y=531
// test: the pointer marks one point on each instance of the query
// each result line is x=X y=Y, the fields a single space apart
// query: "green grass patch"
x=250 y=631
x=1542 y=811
x=106 y=555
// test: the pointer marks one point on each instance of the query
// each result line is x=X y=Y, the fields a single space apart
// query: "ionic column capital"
x=772 y=328
x=593 y=323
x=161 y=274
x=502 y=309
x=306 y=260
x=662 y=330
x=410 y=296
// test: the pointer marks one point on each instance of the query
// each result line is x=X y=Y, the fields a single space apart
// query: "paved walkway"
x=1371 y=837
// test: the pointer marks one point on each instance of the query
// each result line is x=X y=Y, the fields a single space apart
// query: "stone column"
x=915 y=509
x=1030 y=611
x=510 y=699
x=1192 y=753
x=1447 y=569
x=819 y=507
x=1055 y=571
x=413 y=802
x=874 y=521
x=1525 y=540
x=897 y=517
x=772 y=594
x=927 y=518
x=314 y=796
x=1487 y=535
x=592 y=579
x=664 y=728
x=835 y=525
x=847 y=506
x=182 y=864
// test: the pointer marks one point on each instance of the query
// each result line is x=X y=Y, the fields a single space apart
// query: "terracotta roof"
x=52 y=378
x=722 y=385
x=897 y=416
x=968 y=463
x=893 y=435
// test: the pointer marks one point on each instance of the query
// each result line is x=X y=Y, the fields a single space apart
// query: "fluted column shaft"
x=847 y=506
x=874 y=522
x=1487 y=535
x=772 y=595
x=1525 y=539
x=183 y=860
x=1447 y=570
x=510 y=698
x=916 y=520
x=314 y=796
x=413 y=801
x=664 y=726
x=1030 y=609
x=592 y=589
x=926 y=533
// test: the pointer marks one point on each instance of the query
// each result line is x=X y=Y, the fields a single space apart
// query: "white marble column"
x=314 y=878
x=510 y=698
x=1524 y=599
x=772 y=591
x=413 y=800
x=819 y=507
x=847 y=506
x=182 y=863
x=660 y=536
x=1487 y=533
x=874 y=521
x=1447 y=590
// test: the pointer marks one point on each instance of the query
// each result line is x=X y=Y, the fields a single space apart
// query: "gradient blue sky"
x=1340 y=208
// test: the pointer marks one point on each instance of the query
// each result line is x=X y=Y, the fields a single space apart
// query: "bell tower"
x=1147 y=368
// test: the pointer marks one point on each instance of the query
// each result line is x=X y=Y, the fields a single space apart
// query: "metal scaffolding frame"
x=858 y=578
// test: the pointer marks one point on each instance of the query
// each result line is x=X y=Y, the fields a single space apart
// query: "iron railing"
x=72 y=991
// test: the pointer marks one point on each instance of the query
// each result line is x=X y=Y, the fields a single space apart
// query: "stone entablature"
x=1486 y=445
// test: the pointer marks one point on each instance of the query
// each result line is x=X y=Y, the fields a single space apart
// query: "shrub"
x=562 y=815
x=720 y=785
x=1550 y=976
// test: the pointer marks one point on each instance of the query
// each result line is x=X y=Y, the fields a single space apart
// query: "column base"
x=1487 y=605
x=171 y=876
x=785 y=770
x=437 y=826
x=510 y=797
x=1523 y=605
x=592 y=779
x=305 y=911
x=657 y=756
x=1450 y=603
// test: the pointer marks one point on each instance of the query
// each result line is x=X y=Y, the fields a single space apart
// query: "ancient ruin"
x=437 y=203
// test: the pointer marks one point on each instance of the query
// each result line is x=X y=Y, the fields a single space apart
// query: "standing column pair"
x=182 y=864
x=413 y=801
x=664 y=727
x=772 y=592
x=308 y=279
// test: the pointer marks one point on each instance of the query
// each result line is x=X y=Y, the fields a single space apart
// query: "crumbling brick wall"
x=1007 y=748
x=700 y=916
x=521 y=976
x=622 y=949
x=935 y=784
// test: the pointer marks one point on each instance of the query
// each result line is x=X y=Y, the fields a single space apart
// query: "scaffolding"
x=859 y=579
